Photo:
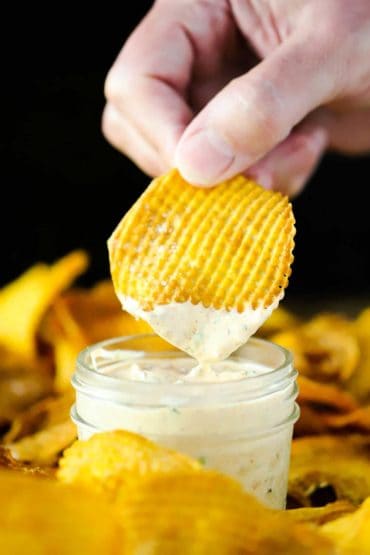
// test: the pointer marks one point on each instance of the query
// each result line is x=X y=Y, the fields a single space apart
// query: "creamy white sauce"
x=138 y=367
x=207 y=334
x=248 y=438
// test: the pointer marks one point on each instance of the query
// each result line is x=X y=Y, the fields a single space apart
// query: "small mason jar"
x=241 y=427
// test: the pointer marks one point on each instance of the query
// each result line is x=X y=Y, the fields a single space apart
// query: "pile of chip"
x=119 y=493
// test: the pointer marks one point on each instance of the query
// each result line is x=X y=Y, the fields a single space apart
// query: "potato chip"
x=325 y=395
x=40 y=517
x=321 y=515
x=187 y=252
x=19 y=389
x=40 y=433
x=329 y=468
x=205 y=512
x=24 y=301
x=9 y=463
x=99 y=314
x=325 y=348
x=44 y=446
x=67 y=339
x=359 y=383
x=45 y=413
x=280 y=320
x=357 y=420
x=109 y=459
x=310 y=421
x=351 y=533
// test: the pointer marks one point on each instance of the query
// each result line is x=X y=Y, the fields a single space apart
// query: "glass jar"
x=242 y=427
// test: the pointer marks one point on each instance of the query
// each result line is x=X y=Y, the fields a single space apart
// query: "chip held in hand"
x=205 y=267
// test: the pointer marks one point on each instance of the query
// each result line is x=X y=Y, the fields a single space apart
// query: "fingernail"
x=202 y=158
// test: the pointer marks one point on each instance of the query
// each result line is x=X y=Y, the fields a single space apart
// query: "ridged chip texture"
x=227 y=247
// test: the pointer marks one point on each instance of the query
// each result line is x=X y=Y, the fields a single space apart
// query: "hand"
x=261 y=87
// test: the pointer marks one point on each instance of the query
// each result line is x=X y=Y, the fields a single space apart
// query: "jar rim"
x=103 y=385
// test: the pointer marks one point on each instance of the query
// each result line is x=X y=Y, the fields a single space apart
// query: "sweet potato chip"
x=329 y=468
x=24 y=301
x=351 y=533
x=40 y=517
x=205 y=512
x=110 y=459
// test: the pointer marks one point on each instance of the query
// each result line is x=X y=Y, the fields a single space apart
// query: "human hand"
x=187 y=89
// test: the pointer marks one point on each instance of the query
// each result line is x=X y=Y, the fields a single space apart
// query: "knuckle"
x=263 y=109
x=117 y=84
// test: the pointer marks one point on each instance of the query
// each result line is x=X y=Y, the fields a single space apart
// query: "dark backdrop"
x=65 y=187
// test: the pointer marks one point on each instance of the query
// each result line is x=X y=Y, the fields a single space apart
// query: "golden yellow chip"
x=207 y=513
x=321 y=515
x=280 y=320
x=351 y=533
x=110 y=459
x=329 y=468
x=325 y=348
x=227 y=247
x=359 y=383
x=39 y=516
x=358 y=420
x=325 y=395
x=40 y=433
x=24 y=301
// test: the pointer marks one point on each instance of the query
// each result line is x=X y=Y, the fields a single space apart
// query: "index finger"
x=149 y=78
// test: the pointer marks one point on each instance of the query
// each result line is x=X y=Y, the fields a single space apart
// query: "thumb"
x=254 y=113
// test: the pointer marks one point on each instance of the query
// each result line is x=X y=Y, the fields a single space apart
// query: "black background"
x=64 y=186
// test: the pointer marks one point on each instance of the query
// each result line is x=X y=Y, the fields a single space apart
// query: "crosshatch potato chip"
x=206 y=512
x=40 y=516
x=24 y=302
x=328 y=468
x=189 y=249
x=110 y=459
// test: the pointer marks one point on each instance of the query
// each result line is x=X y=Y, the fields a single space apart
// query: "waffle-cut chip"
x=204 y=513
x=227 y=247
x=110 y=459
x=328 y=468
x=39 y=516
